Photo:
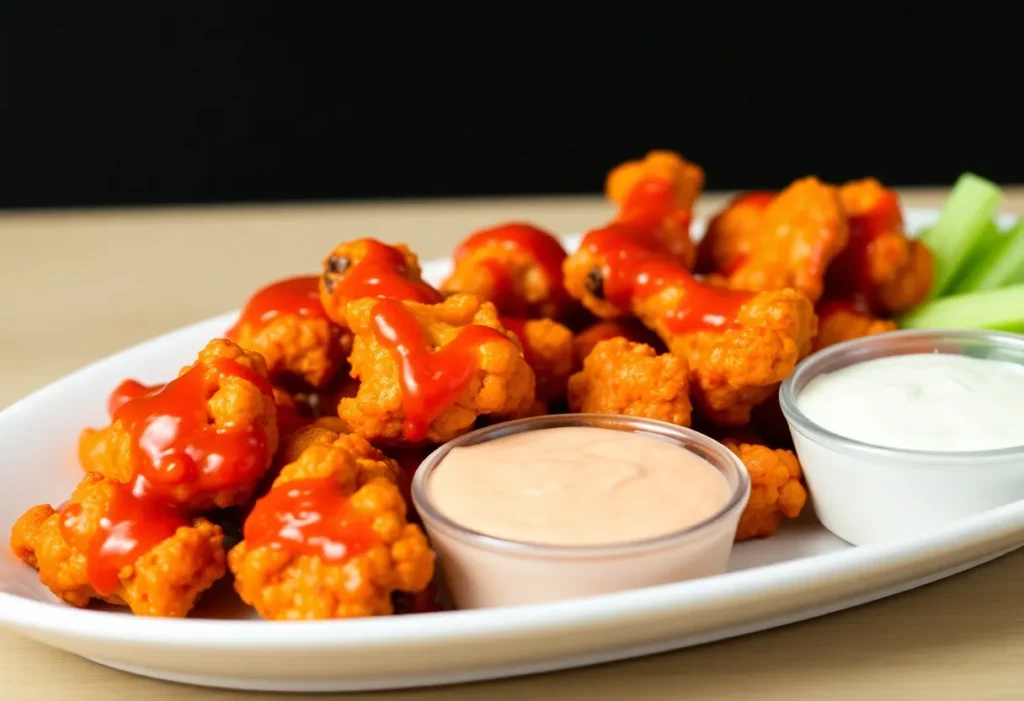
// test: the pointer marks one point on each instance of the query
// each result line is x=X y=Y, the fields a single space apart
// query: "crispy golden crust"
x=734 y=370
x=283 y=586
x=164 y=581
x=308 y=348
x=775 y=488
x=511 y=279
x=803 y=230
x=620 y=377
x=837 y=324
x=628 y=328
x=503 y=384
x=548 y=348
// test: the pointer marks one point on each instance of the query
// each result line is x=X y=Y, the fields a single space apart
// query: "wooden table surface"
x=77 y=286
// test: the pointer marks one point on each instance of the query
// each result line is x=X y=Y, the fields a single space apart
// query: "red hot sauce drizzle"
x=536 y=243
x=430 y=381
x=635 y=269
x=174 y=445
x=296 y=296
x=175 y=448
x=849 y=276
x=309 y=517
x=126 y=392
x=382 y=272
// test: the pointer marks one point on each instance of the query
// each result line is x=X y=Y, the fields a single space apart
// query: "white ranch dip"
x=929 y=401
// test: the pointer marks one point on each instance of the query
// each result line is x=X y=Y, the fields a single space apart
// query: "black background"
x=164 y=103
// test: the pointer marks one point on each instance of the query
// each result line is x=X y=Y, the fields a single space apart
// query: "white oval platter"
x=801 y=573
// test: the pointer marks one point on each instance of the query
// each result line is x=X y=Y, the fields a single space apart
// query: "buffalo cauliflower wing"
x=286 y=324
x=775 y=488
x=880 y=268
x=516 y=266
x=426 y=372
x=370 y=268
x=175 y=559
x=627 y=327
x=547 y=348
x=621 y=377
x=203 y=440
x=732 y=234
x=839 y=322
x=349 y=560
x=802 y=231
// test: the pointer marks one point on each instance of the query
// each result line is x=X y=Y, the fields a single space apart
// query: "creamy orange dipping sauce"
x=577 y=485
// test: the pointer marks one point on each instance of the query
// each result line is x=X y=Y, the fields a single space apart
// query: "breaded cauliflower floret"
x=356 y=554
x=843 y=322
x=659 y=192
x=516 y=266
x=228 y=385
x=164 y=580
x=880 y=267
x=370 y=268
x=775 y=488
x=735 y=368
x=547 y=347
x=286 y=324
x=484 y=373
x=803 y=230
x=621 y=377
x=732 y=233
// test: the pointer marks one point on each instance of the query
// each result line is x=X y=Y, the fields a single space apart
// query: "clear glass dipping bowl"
x=867 y=493
x=484 y=571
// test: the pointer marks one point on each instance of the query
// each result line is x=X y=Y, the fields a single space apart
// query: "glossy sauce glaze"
x=431 y=381
x=635 y=268
x=873 y=212
x=126 y=392
x=133 y=523
x=174 y=448
x=174 y=445
x=536 y=243
x=309 y=517
x=296 y=296
x=382 y=271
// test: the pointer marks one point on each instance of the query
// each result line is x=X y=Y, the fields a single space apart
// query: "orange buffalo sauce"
x=431 y=381
x=309 y=517
x=381 y=272
x=296 y=296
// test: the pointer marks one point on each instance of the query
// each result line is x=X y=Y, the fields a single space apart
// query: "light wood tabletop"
x=79 y=285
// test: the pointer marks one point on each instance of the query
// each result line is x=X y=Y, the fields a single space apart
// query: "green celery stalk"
x=1002 y=265
x=962 y=226
x=1001 y=310
x=988 y=240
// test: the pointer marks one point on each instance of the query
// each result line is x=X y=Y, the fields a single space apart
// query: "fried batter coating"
x=803 y=230
x=732 y=234
x=515 y=266
x=547 y=348
x=370 y=268
x=621 y=377
x=880 y=267
x=345 y=564
x=626 y=327
x=305 y=347
x=235 y=397
x=738 y=366
x=483 y=373
x=659 y=192
x=775 y=488
x=839 y=322
x=165 y=580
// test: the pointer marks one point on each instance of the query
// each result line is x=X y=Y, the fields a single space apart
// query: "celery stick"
x=962 y=225
x=1001 y=309
x=991 y=238
x=1002 y=265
